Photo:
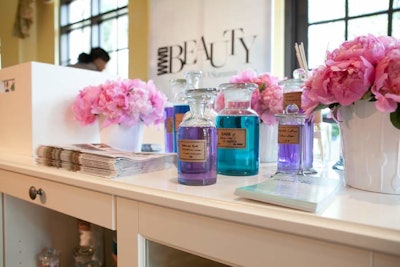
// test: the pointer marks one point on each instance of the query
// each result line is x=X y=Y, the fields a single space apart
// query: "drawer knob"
x=33 y=192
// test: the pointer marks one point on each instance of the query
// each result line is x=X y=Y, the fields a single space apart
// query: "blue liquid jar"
x=197 y=141
x=238 y=131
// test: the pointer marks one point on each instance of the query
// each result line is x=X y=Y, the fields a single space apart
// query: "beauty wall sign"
x=220 y=38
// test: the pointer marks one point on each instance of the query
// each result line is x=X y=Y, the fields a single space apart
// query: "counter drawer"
x=92 y=206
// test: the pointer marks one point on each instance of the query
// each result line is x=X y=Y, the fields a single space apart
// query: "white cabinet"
x=157 y=221
x=47 y=219
x=28 y=228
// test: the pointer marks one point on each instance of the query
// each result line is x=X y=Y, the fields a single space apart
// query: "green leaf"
x=395 y=117
x=262 y=87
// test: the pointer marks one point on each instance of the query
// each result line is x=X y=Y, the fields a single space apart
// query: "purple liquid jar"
x=293 y=89
x=197 y=142
x=197 y=155
x=291 y=141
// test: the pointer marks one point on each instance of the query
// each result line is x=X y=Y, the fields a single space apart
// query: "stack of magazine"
x=102 y=160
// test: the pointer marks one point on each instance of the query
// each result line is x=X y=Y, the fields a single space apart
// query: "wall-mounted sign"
x=220 y=38
x=7 y=86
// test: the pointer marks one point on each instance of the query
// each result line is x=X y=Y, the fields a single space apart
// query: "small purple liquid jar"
x=292 y=91
x=291 y=141
x=197 y=142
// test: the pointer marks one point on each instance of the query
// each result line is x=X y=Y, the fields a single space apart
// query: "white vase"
x=268 y=144
x=370 y=146
x=122 y=137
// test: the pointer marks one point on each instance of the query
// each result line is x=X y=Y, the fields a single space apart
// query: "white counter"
x=358 y=219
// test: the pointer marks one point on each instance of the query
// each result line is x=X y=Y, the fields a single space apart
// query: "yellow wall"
x=42 y=44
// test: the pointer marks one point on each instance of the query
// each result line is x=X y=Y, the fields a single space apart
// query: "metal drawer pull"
x=33 y=192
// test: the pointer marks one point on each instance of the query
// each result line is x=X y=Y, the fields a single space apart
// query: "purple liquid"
x=198 y=173
x=168 y=129
x=289 y=158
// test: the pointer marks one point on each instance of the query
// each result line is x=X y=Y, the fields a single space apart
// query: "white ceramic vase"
x=370 y=146
x=122 y=137
x=268 y=143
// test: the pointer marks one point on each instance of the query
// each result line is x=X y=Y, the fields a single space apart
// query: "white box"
x=38 y=110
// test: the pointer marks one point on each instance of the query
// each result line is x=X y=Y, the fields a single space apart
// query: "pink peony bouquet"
x=124 y=101
x=266 y=101
x=367 y=68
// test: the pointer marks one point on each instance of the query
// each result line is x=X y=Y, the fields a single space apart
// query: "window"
x=324 y=24
x=95 y=23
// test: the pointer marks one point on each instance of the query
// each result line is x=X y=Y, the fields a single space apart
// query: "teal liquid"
x=240 y=161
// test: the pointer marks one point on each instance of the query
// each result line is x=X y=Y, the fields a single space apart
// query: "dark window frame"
x=94 y=21
x=296 y=28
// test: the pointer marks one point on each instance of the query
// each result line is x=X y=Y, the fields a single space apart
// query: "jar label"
x=192 y=150
x=231 y=138
x=168 y=125
x=178 y=120
x=289 y=134
x=292 y=98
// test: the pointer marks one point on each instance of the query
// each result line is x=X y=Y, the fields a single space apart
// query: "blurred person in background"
x=96 y=60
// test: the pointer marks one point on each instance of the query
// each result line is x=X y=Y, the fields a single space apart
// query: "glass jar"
x=180 y=107
x=197 y=141
x=291 y=141
x=192 y=78
x=292 y=91
x=49 y=257
x=238 y=131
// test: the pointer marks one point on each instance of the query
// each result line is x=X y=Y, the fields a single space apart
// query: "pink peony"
x=369 y=47
x=83 y=107
x=387 y=83
x=367 y=67
x=349 y=80
x=123 y=101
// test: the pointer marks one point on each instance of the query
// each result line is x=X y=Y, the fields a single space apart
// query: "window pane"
x=322 y=10
x=79 y=10
x=79 y=41
x=396 y=3
x=376 y=25
x=123 y=63
x=360 y=7
x=118 y=64
x=396 y=25
x=64 y=56
x=323 y=37
x=122 y=3
x=107 y=5
x=108 y=34
x=123 y=32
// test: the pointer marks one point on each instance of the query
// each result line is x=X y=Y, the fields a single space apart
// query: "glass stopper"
x=299 y=74
x=292 y=109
